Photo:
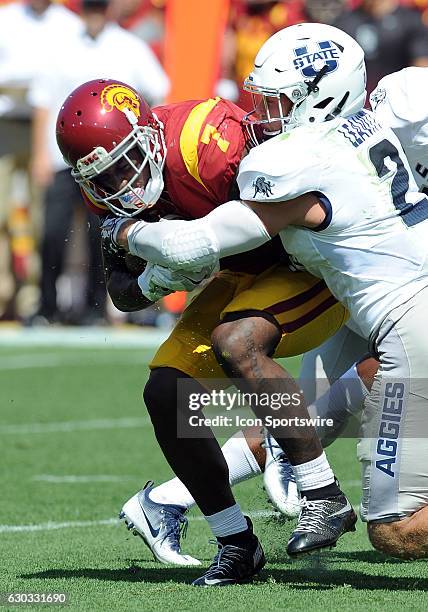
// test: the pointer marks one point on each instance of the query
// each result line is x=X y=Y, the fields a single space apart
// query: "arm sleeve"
x=191 y=245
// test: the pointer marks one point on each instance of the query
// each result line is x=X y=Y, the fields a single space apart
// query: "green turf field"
x=76 y=443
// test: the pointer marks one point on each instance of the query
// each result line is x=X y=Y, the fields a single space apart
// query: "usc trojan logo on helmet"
x=120 y=97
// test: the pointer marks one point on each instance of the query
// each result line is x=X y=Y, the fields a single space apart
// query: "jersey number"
x=210 y=132
x=410 y=213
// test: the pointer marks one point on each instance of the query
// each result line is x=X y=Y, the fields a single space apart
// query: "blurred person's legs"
x=61 y=198
x=18 y=236
x=17 y=253
x=58 y=215
x=7 y=285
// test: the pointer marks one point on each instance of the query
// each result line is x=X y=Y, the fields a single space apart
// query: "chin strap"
x=313 y=85
x=336 y=112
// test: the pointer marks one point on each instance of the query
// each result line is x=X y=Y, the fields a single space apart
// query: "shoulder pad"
x=279 y=169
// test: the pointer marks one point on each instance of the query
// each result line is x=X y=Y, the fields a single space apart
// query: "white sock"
x=172 y=492
x=241 y=463
x=240 y=460
x=345 y=397
x=227 y=522
x=313 y=474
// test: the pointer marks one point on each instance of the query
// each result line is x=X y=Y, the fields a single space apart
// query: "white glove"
x=156 y=281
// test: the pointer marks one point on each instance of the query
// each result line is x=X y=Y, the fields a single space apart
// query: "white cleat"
x=279 y=481
x=160 y=526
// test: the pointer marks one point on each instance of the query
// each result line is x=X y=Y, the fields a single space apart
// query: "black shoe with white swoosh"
x=234 y=564
x=321 y=523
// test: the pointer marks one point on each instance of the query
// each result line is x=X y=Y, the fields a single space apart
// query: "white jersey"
x=371 y=250
x=400 y=102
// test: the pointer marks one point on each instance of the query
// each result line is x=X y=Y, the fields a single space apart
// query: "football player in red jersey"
x=127 y=159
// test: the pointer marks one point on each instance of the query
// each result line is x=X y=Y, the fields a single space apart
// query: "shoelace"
x=286 y=467
x=313 y=521
x=224 y=559
x=270 y=443
x=175 y=525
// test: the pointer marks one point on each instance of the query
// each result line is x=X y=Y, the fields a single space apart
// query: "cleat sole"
x=328 y=545
x=137 y=533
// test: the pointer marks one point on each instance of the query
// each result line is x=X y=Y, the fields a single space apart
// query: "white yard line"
x=83 y=337
x=71 y=479
x=82 y=358
x=67 y=426
x=51 y=525
x=74 y=479
x=78 y=360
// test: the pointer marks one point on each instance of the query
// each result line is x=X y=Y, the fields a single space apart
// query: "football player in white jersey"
x=397 y=104
x=341 y=194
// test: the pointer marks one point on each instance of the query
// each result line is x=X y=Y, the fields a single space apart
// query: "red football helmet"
x=105 y=126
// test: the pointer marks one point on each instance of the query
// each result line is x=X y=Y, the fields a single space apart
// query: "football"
x=135 y=265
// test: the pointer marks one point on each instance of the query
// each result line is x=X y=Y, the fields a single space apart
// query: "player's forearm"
x=229 y=229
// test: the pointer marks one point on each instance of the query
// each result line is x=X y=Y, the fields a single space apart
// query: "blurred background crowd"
x=50 y=261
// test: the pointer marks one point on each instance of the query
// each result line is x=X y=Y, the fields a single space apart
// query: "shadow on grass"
x=134 y=573
x=326 y=558
x=369 y=556
x=317 y=578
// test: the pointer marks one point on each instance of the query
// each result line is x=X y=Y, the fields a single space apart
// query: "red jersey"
x=205 y=143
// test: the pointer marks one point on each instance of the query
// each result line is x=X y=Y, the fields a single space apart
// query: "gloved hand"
x=156 y=281
x=110 y=228
x=109 y=231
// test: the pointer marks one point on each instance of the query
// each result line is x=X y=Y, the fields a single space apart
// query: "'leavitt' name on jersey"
x=359 y=128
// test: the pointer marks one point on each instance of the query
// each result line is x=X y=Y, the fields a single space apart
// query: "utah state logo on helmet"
x=309 y=61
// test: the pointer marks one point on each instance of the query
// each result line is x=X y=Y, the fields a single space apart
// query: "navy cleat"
x=321 y=523
x=159 y=525
x=233 y=564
